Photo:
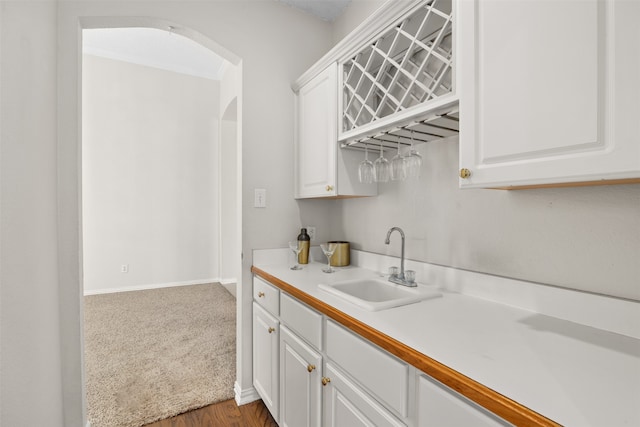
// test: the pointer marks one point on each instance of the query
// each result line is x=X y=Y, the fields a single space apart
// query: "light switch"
x=260 y=198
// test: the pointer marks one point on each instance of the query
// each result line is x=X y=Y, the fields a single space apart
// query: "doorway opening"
x=161 y=163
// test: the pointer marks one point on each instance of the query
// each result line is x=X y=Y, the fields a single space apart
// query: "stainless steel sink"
x=374 y=295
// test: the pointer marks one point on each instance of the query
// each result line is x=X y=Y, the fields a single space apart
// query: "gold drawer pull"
x=465 y=173
x=311 y=368
x=260 y=294
x=329 y=187
x=325 y=380
x=271 y=330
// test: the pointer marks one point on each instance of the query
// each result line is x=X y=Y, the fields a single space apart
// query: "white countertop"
x=574 y=374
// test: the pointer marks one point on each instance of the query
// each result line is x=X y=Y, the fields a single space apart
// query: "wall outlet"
x=124 y=268
x=311 y=231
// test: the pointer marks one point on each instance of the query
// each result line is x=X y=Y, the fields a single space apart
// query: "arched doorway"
x=69 y=199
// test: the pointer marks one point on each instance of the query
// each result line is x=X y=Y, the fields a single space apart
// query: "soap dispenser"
x=305 y=243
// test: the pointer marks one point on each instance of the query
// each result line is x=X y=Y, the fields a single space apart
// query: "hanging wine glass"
x=365 y=170
x=381 y=168
x=398 y=166
x=414 y=161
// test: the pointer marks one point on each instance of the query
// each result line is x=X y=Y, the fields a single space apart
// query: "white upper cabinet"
x=315 y=144
x=549 y=91
x=321 y=169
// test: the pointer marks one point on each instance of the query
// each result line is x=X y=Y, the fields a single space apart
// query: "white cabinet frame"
x=551 y=95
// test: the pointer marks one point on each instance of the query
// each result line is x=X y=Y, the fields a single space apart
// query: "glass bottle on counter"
x=305 y=242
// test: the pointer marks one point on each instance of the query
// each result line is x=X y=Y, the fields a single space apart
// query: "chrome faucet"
x=399 y=278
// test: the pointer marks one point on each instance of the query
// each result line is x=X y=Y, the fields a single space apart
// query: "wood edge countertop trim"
x=487 y=398
x=622 y=181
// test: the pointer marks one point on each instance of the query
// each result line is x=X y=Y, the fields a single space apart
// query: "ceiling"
x=327 y=10
x=170 y=51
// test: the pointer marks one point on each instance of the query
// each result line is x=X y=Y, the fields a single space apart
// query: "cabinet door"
x=265 y=358
x=440 y=406
x=346 y=405
x=549 y=91
x=300 y=386
x=316 y=136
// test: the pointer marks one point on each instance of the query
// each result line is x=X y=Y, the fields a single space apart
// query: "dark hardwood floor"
x=222 y=414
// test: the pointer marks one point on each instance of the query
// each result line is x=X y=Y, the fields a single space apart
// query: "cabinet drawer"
x=303 y=320
x=266 y=295
x=384 y=375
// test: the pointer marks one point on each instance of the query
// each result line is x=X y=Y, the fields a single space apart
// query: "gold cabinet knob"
x=465 y=173
x=260 y=294
x=271 y=330
x=311 y=368
x=325 y=380
x=329 y=187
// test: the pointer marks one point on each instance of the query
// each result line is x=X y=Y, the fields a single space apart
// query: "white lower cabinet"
x=347 y=405
x=300 y=382
x=311 y=371
x=266 y=348
x=440 y=406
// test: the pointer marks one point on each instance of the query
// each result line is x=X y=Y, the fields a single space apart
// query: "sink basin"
x=374 y=295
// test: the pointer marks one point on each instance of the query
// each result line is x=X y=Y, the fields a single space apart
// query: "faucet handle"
x=410 y=276
x=393 y=271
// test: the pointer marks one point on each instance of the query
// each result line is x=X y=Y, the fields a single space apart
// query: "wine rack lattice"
x=408 y=65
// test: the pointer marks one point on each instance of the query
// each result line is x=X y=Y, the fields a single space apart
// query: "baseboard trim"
x=245 y=396
x=228 y=281
x=151 y=286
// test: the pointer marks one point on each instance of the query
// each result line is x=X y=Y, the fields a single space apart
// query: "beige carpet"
x=153 y=354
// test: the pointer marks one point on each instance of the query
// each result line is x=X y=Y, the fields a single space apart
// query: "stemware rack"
x=437 y=125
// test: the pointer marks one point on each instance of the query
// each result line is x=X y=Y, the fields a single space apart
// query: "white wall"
x=356 y=12
x=230 y=254
x=581 y=238
x=30 y=376
x=230 y=175
x=150 y=176
x=230 y=91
